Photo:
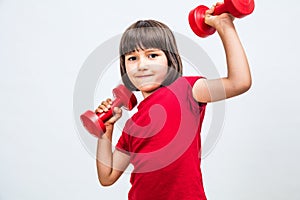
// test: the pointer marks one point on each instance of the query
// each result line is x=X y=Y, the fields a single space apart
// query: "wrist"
x=106 y=136
x=224 y=28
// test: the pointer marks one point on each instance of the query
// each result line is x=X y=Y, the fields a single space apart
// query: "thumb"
x=117 y=115
x=219 y=3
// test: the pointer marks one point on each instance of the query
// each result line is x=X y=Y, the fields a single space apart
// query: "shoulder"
x=183 y=87
x=188 y=80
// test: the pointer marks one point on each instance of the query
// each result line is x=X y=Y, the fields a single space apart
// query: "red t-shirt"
x=163 y=141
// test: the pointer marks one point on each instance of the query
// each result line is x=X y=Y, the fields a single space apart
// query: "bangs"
x=150 y=34
x=143 y=38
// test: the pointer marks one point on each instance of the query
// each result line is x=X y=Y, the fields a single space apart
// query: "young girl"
x=162 y=140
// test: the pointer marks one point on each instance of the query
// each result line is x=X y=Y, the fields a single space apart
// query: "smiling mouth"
x=143 y=76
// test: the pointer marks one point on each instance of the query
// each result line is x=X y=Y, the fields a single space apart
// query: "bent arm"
x=110 y=165
x=238 y=78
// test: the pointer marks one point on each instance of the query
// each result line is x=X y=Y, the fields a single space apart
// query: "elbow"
x=105 y=182
x=248 y=85
x=245 y=86
x=239 y=88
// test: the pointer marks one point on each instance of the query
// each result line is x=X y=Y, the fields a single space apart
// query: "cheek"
x=165 y=72
x=130 y=69
x=166 y=67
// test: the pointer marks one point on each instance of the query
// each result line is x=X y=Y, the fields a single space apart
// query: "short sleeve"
x=193 y=103
x=122 y=144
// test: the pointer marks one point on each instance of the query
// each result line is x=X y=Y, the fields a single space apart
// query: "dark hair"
x=145 y=34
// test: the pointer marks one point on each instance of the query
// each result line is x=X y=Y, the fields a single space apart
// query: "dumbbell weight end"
x=197 y=23
x=92 y=124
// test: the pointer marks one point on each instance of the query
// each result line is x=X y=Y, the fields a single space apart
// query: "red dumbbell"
x=94 y=122
x=237 y=8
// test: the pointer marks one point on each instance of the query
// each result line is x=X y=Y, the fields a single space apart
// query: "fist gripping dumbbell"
x=237 y=8
x=94 y=122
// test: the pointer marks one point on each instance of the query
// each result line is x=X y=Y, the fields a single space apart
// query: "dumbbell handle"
x=237 y=10
x=104 y=116
x=219 y=9
x=94 y=121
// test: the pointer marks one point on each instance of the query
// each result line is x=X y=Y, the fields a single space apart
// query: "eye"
x=153 y=55
x=131 y=58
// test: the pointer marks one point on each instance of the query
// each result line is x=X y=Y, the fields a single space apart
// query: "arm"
x=110 y=165
x=238 y=78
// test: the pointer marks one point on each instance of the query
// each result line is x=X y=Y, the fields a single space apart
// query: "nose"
x=143 y=64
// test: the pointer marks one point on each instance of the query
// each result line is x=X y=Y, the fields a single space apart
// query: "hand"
x=104 y=107
x=218 y=21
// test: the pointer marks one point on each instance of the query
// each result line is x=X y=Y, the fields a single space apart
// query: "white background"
x=43 y=45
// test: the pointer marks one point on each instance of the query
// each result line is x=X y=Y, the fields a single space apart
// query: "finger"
x=117 y=115
x=109 y=101
x=117 y=110
x=98 y=110
x=219 y=3
x=102 y=108
x=210 y=11
x=106 y=103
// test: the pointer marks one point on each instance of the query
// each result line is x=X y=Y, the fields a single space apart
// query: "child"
x=162 y=140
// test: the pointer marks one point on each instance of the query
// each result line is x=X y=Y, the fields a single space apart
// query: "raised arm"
x=110 y=165
x=238 y=78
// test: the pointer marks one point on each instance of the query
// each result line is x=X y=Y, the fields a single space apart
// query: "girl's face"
x=146 y=69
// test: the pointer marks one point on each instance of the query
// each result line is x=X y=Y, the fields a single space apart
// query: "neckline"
x=151 y=96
